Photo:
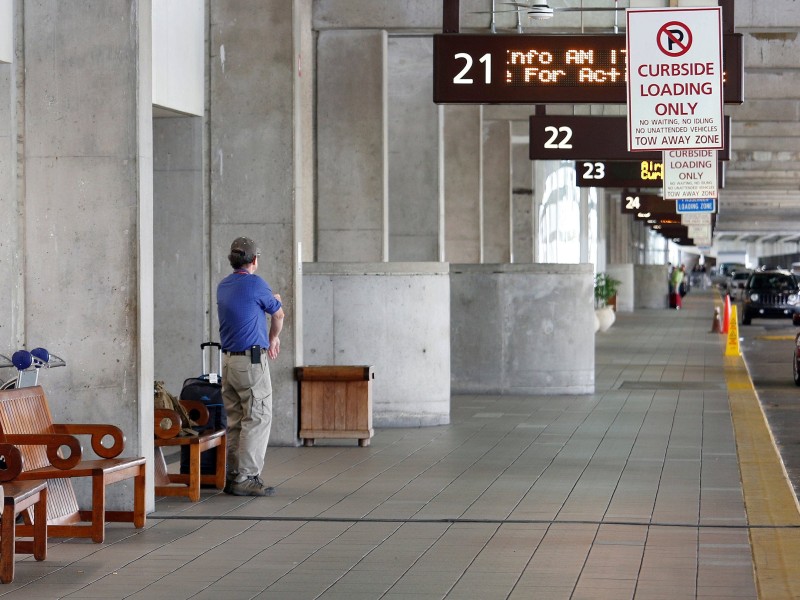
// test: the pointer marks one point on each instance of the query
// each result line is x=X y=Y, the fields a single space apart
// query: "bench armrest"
x=53 y=442
x=198 y=412
x=13 y=461
x=166 y=423
x=98 y=433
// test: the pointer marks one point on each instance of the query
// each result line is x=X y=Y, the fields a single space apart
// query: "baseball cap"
x=245 y=247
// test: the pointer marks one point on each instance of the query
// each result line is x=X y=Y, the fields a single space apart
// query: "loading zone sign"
x=674 y=79
x=690 y=174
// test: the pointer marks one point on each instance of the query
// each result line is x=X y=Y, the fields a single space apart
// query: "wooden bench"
x=17 y=497
x=26 y=422
x=167 y=426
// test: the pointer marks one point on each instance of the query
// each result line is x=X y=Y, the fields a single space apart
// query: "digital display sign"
x=593 y=138
x=547 y=69
x=627 y=173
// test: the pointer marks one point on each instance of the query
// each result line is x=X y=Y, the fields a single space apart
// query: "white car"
x=736 y=283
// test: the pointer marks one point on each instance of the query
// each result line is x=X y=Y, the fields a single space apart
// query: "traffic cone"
x=726 y=314
x=716 y=327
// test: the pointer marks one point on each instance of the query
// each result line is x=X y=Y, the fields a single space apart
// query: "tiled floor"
x=633 y=492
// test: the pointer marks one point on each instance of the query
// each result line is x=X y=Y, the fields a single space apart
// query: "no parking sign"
x=675 y=79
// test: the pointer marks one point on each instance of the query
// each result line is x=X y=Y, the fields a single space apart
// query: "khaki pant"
x=247 y=395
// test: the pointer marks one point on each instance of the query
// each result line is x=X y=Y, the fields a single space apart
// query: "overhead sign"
x=700 y=232
x=619 y=174
x=547 y=69
x=690 y=173
x=696 y=219
x=628 y=173
x=674 y=78
x=578 y=138
x=707 y=205
x=647 y=204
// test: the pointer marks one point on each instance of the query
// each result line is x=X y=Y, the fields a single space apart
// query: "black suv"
x=771 y=294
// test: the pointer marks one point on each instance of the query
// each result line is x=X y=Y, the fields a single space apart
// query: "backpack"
x=163 y=399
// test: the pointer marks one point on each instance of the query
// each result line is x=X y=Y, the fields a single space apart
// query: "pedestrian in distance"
x=244 y=300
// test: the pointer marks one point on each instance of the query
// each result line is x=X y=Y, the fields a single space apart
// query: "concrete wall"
x=352 y=161
x=651 y=285
x=180 y=249
x=415 y=204
x=625 y=296
x=257 y=98
x=522 y=329
x=395 y=316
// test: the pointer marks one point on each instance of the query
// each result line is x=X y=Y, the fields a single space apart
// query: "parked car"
x=771 y=295
x=736 y=283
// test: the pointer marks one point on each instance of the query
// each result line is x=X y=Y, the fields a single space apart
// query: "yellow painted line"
x=775 y=338
x=768 y=495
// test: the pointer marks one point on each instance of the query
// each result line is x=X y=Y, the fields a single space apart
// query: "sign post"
x=675 y=79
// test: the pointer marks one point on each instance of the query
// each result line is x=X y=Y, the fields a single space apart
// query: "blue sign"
x=696 y=205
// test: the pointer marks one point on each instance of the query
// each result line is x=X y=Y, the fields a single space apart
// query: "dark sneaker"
x=252 y=486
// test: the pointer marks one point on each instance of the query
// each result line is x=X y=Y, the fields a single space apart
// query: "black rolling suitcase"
x=207 y=389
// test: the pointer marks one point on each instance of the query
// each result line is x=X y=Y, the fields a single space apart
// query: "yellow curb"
x=775 y=338
x=768 y=495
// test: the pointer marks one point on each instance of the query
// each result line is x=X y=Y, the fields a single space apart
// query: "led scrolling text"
x=572 y=66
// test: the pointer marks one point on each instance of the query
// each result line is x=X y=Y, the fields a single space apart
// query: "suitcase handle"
x=213 y=377
x=205 y=345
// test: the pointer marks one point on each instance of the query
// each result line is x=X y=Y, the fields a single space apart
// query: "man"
x=243 y=301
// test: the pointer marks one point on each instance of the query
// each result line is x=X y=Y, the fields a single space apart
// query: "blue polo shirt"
x=243 y=301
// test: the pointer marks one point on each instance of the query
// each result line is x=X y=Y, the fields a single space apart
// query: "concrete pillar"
x=352 y=161
x=522 y=329
x=260 y=94
x=497 y=192
x=416 y=211
x=651 y=288
x=463 y=183
x=86 y=186
x=625 y=295
x=521 y=199
x=370 y=314
x=11 y=315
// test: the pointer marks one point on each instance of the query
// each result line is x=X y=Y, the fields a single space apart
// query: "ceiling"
x=761 y=198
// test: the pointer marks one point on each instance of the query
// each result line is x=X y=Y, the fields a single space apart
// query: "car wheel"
x=796 y=320
x=745 y=318
x=795 y=369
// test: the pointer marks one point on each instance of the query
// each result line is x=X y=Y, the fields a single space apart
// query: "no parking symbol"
x=674 y=38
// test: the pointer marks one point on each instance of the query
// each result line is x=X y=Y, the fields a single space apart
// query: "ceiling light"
x=540 y=12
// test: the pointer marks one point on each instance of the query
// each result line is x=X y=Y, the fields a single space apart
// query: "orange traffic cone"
x=716 y=326
x=726 y=314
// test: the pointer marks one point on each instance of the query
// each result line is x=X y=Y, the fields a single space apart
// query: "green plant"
x=605 y=288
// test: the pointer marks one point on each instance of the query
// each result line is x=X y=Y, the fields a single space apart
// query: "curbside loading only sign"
x=674 y=79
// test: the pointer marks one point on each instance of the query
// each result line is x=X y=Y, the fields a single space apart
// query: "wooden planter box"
x=335 y=402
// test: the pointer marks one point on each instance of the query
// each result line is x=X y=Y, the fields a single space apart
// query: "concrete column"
x=259 y=106
x=463 y=183
x=537 y=337
x=11 y=315
x=497 y=192
x=625 y=295
x=352 y=161
x=86 y=184
x=521 y=199
x=370 y=314
x=650 y=285
x=416 y=211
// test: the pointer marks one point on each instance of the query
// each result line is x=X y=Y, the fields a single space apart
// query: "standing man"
x=243 y=301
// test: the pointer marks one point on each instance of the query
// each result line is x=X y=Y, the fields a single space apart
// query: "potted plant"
x=605 y=294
